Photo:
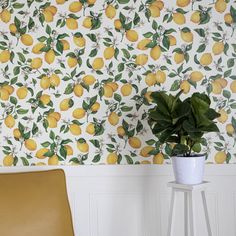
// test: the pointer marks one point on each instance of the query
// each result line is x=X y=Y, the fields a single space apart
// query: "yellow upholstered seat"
x=34 y=204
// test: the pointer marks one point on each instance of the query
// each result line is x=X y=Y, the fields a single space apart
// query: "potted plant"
x=182 y=123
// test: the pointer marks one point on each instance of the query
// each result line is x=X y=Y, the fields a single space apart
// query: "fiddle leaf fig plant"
x=182 y=122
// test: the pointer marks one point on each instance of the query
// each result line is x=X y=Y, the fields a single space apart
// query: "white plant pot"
x=188 y=170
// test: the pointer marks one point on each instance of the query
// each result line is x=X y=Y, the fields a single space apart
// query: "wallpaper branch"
x=76 y=77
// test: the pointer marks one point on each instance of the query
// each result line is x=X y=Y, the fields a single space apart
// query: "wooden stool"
x=189 y=191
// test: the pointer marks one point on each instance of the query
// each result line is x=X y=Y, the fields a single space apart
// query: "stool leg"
x=172 y=205
x=185 y=213
x=191 y=214
x=206 y=213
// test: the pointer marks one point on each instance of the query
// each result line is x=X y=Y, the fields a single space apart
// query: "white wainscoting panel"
x=134 y=200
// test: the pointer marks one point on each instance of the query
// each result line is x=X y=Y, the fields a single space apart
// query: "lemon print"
x=72 y=62
x=158 y=159
x=141 y=59
x=52 y=9
x=5 y=56
x=75 y=7
x=52 y=122
x=60 y=1
x=206 y=59
x=55 y=80
x=98 y=63
x=158 y=4
x=8 y=160
x=4 y=95
x=91 y=2
x=79 y=113
x=154 y=10
x=172 y=40
x=83 y=146
x=5 y=16
x=182 y=3
x=37 y=48
x=89 y=80
x=113 y=118
x=150 y=79
x=90 y=129
x=48 y=16
x=228 y=18
x=69 y=150
x=185 y=86
x=178 y=57
x=55 y=115
x=223 y=82
x=120 y=131
x=126 y=89
x=233 y=86
x=113 y=85
x=112 y=158
x=216 y=87
x=75 y=129
x=196 y=76
x=160 y=76
x=196 y=17
x=45 y=82
x=17 y=133
x=117 y=24
x=65 y=44
x=145 y=162
x=30 y=144
x=36 y=63
x=9 y=88
x=95 y=107
x=71 y=24
x=220 y=6
x=66 y=104
x=146 y=150
x=53 y=160
x=27 y=39
x=79 y=41
x=108 y=91
x=110 y=12
x=78 y=90
x=155 y=52
x=10 y=121
x=40 y=154
x=179 y=18
x=187 y=36
x=22 y=92
x=220 y=157
x=230 y=129
x=45 y=99
x=12 y=28
x=223 y=116
x=218 y=48
x=49 y=56
x=135 y=142
x=132 y=35
x=143 y=43
x=87 y=23
x=108 y=53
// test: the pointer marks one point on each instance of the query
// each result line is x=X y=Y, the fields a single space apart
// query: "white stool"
x=189 y=191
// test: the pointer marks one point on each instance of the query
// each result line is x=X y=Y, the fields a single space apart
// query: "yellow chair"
x=34 y=204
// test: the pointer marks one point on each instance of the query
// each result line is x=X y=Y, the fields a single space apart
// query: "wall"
x=76 y=77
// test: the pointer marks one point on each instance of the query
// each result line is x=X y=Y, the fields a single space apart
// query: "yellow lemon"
x=230 y=129
x=148 y=97
x=187 y=36
x=132 y=35
x=79 y=41
x=112 y=158
x=45 y=99
x=89 y=80
x=65 y=44
x=30 y=144
x=182 y=3
x=5 y=16
x=121 y=131
x=108 y=53
x=44 y=82
x=155 y=52
x=22 y=92
x=10 y=121
x=117 y=24
x=51 y=9
x=78 y=90
x=52 y=122
x=220 y=6
x=16 y=133
x=110 y=12
x=98 y=63
x=41 y=152
x=60 y=1
x=8 y=160
x=218 y=48
x=223 y=82
x=135 y=142
x=83 y=147
x=49 y=56
x=53 y=160
x=233 y=86
x=55 y=115
x=179 y=18
x=126 y=89
x=48 y=16
x=160 y=76
x=72 y=62
x=223 y=116
x=55 y=80
x=159 y=4
x=158 y=159
x=113 y=118
x=141 y=59
x=71 y=23
x=145 y=162
x=90 y=129
x=37 y=48
x=150 y=79
x=228 y=18
x=95 y=107
x=75 y=129
x=172 y=40
x=4 y=95
x=9 y=88
x=154 y=10
x=206 y=59
x=87 y=22
x=27 y=39
x=69 y=150
x=5 y=56
x=178 y=57
x=196 y=17
x=185 y=86
x=91 y=2
x=108 y=91
x=113 y=85
x=216 y=87
x=143 y=43
x=146 y=150
x=220 y=157
x=12 y=28
x=36 y=63
x=78 y=113
x=196 y=76
x=65 y=104
x=75 y=6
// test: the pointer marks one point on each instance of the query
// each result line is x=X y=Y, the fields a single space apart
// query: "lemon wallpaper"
x=76 y=77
